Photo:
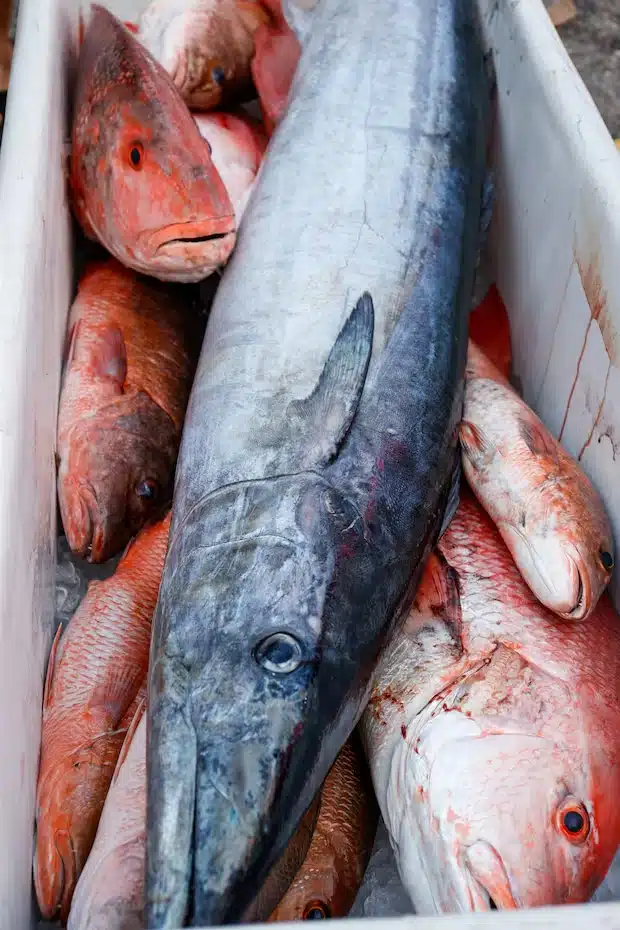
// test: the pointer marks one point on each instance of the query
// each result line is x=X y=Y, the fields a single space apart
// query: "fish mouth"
x=219 y=814
x=488 y=884
x=219 y=230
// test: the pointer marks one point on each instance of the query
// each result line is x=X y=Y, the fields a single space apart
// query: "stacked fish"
x=299 y=552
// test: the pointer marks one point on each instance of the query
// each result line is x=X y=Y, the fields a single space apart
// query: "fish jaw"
x=554 y=570
x=231 y=769
x=187 y=252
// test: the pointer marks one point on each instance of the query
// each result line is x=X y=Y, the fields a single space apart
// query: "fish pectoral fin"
x=325 y=416
x=110 y=357
x=438 y=591
x=114 y=695
x=454 y=496
x=537 y=438
x=478 y=450
x=51 y=663
x=129 y=735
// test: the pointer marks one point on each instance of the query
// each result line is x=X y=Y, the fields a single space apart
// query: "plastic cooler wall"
x=554 y=244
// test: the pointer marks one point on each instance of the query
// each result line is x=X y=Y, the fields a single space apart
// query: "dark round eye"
x=147 y=489
x=279 y=653
x=316 y=910
x=607 y=560
x=574 y=821
x=135 y=154
x=218 y=76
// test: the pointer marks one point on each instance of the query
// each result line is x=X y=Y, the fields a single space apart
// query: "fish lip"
x=184 y=234
x=488 y=881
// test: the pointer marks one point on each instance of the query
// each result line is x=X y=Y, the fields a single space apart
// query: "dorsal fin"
x=323 y=419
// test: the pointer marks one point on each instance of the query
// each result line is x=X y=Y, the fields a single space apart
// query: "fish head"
x=142 y=177
x=115 y=473
x=567 y=566
x=241 y=667
x=505 y=810
x=70 y=795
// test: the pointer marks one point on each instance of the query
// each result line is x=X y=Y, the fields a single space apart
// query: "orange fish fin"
x=70 y=344
x=49 y=675
x=438 y=590
x=538 y=439
x=476 y=447
x=113 y=697
x=110 y=360
x=133 y=726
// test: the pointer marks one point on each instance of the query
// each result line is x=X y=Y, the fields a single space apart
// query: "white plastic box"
x=555 y=254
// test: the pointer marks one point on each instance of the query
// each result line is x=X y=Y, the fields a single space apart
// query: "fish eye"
x=607 y=560
x=147 y=489
x=316 y=910
x=218 y=76
x=279 y=653
x=573 y=821
x=136 y=153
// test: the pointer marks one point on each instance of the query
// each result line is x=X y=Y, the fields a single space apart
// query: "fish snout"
x=553 y=571
x=55 y=875
x=77 y=521
x=489 y=885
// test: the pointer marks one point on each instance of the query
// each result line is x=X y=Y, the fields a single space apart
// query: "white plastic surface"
x=555 y=245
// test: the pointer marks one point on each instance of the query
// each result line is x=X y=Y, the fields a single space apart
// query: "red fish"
x=493 y=734
x=133 y=348
x=275 y=60
x=549 y=514
x=332 y=871
x=205 y=45
x=142 y=178
x=238 y=144
x=95 y=683
x=489 y=328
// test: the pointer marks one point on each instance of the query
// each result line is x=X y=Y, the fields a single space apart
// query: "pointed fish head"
x=142 y=177
x=504 y=811
x=242 y=674
x=115 y=474
x=70 y=795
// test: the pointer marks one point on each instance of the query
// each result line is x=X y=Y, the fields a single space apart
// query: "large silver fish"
x=320 y=441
